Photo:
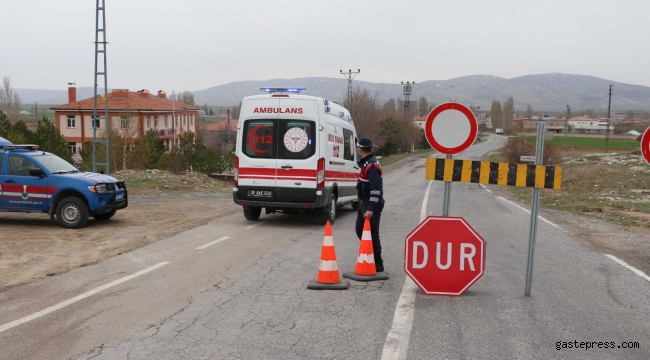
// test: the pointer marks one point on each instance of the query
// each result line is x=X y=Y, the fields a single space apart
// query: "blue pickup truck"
x=37 y=181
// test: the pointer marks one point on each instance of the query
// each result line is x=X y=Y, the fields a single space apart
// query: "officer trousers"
x=374 y=228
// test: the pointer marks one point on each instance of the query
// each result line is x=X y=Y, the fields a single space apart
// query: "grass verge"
x=590 y=142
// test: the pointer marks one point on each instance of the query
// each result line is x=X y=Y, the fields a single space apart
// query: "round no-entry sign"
x=645 y=145
x=444 y=255
x=451 y=128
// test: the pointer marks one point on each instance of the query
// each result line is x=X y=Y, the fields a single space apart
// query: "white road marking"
x=528 y=211
x=87 y=294
x=213 y=242
x=488 y=190
x=252 y=226
x=397 y=341
x=629 y=267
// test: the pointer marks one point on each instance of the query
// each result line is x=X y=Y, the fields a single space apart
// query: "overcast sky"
x=188 y=44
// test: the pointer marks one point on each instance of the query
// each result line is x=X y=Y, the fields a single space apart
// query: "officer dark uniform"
x=370 y=191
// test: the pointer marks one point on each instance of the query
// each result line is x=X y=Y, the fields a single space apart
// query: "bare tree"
x=423 y=106
x=9 y=99
x=128 y=131
x=365 y=111
x=529 y=112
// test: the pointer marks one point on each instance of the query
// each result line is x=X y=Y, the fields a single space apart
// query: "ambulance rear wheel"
x=252 y=213
x=329 y=213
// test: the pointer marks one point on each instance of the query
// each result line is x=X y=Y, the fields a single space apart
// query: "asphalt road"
x=245 y=296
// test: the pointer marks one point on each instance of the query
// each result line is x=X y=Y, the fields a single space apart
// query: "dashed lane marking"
x=488 y=190
x=87 y=294
x=397 y=341
x=252 y=226
x=213 y=242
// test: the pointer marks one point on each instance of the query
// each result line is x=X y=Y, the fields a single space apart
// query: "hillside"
x=543 y=91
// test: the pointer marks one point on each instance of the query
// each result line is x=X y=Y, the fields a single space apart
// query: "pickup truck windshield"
x=55 y=164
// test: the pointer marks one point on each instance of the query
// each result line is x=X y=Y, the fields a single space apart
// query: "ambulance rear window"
x=259 y=139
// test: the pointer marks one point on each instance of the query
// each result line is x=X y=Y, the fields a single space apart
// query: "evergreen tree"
x=49 y=139
x=153 y=148
x=5 y=125
x=496 y=115
x=508 y=113
x=20 y=134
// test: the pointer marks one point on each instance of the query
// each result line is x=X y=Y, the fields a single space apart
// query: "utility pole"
x=350 y=75
x=228 y=128
x=609 y=114
x=36 y=108
x=566 y=124
x=100 y=48
x=407 y=96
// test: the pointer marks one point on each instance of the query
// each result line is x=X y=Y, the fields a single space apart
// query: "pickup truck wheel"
x=329 y=213
x=72 y=213
x=252 y=213
x=105 y=216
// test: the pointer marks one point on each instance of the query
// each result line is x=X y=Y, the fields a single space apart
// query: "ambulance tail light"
x=320 y=174
x=236 y=178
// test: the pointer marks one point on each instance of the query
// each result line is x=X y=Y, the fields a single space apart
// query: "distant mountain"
x=543 y=91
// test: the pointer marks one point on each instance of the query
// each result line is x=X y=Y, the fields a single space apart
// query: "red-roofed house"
x=132 y=112
x=217 y=136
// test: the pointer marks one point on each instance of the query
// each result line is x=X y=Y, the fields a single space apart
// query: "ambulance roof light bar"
x=272 y=90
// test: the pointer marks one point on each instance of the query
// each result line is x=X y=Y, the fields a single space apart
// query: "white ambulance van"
x=294 y=153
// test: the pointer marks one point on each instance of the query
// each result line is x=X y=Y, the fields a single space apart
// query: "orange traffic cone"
x=328 y=272
x=366 y=270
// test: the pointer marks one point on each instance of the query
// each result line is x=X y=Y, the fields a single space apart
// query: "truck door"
x=22 y=191
x=298 y=152
x=258 y=149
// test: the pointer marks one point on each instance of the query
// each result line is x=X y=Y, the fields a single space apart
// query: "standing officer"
x=370 y=191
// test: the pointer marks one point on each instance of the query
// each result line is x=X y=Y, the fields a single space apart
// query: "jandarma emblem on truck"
x=269 y=110
x=25 y=195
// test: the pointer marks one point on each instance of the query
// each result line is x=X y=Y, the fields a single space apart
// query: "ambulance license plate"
x=260 y=193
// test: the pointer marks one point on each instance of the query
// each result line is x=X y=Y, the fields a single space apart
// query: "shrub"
x=516 y=147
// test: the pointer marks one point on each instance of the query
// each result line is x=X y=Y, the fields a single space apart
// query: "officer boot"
x=379 y=263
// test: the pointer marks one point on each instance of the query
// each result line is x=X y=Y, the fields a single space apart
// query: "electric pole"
x=566 y=124
x=36 y=108
x=228 y=129
x=407 y=96
x=350 y=75
x=609 y=114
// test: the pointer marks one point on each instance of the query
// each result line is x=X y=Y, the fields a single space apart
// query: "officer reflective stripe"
x=365 y=180
x=375 y=192
x=374 y=199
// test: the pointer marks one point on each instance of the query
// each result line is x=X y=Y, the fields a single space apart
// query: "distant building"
x=219 y=136
x=133 y=113
x=421 y=121
x=587 y=125
x=551 y=123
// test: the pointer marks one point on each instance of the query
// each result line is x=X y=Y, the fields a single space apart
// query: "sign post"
x=539 y=159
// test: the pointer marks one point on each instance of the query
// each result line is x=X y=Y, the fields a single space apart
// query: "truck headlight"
x=100 y=188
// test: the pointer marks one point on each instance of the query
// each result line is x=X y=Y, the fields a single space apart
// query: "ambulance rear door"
x=298 y=151
x=258 y=149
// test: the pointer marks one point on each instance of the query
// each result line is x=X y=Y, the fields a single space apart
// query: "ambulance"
x=294 y=153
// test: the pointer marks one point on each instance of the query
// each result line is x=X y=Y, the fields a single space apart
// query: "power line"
x=297 y=54
x=278 y=36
